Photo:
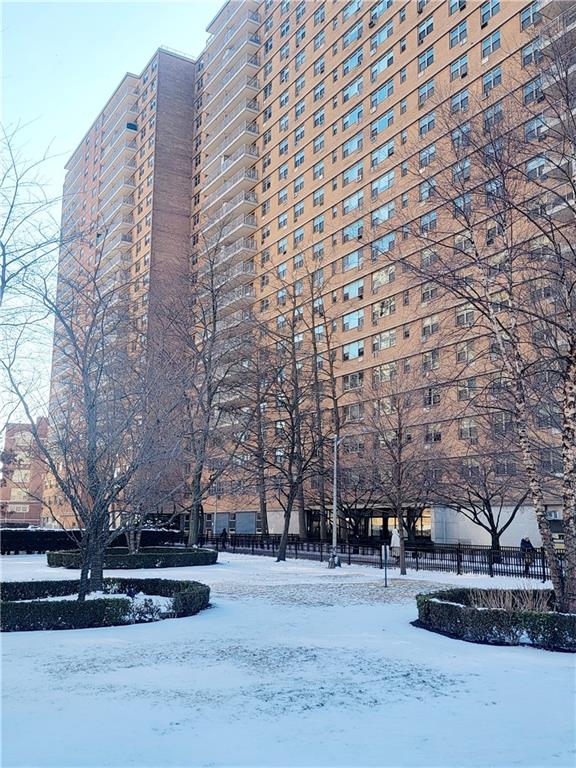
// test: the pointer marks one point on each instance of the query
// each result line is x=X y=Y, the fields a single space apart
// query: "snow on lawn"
x=295 y=665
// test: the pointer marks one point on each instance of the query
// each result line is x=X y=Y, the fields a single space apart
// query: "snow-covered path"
x=295 y=665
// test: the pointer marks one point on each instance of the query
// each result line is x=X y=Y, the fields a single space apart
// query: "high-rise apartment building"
x=22 y=478
x=301 y=124
x=126 y=208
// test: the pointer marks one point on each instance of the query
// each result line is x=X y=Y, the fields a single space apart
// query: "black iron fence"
x=459 y=558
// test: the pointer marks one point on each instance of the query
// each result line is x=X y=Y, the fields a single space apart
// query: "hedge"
x=31 y=540
x=450 y=612
x=189 y=597
x=147 y=557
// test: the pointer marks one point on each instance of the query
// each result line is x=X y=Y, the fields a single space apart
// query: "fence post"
x=321 y=552
x=380 y=554
x=349 y=557
x=296 y=550
x=416 y=556
x=234 y=544
x=458 y=559
x=272 y=546
x=543 y=557
x=491 y=563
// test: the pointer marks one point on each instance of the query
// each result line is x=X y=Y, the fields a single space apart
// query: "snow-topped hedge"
x=453 y=613
x=29 y=605
x=146 y=557
x=31 y=540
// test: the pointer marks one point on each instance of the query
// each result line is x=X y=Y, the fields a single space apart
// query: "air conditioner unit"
x=371 y=23
x=372 y=109
x=483 y=25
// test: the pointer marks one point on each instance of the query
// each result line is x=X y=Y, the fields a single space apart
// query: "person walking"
x=527 y=550
x=224 y=538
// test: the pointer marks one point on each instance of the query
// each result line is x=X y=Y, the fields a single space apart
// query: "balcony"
x=121 y=242
x=563 y=24
x=231 y=165
x=224 y=258
x=121 y=223
x=124 y=203
x=228 y=115
x=244 y=179
x=235 y=323
x=110 y=175
x=248 y=45
x=125 y=150
x=246 y=132
x=243 y=226
x=245 y=88
x=128 y=117
x=238 y=298
x=559 y=75
x=246 y=67
x=249 y=20
x=245 y=202
x=110 y=193
x=562 y=207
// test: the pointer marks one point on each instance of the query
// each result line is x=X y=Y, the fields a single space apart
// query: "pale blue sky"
x=61 y=62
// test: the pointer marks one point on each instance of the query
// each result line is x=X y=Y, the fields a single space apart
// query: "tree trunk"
x=569 y=481
x=495 y=537
x=302 y=522
x=195 y=510
x=281 y=555
x=86 y=554
x=97 y=570
x=402 y=548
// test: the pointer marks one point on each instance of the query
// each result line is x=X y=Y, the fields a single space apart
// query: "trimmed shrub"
x=65 y=614
x=189 y=597
x=450 y=612
x=31 y=540
x=153 y=557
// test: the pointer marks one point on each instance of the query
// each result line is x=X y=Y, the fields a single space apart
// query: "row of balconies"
x=240 y=227
x=128 y=116
x=251 y=20
x=247 y=131
x=111 y=243
x=242 y=89
x=224 y=258
x=126 y=149
x=241 y=70
x=243 y=156
x=250 y=44
x=246 y=201
x=227 y=118
x=245 y=177
x=110 y=193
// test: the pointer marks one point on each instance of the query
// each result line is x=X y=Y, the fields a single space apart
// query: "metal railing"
x=459 y=559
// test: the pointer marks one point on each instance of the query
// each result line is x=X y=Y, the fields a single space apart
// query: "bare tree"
x=496 y=234
x=105 y=450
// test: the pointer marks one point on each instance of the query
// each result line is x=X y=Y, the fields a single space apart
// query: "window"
x=298 y=184
x=319 y=66
x=490 y=44
x=298 y=134
x=383 y=276
x=385 y=91
x=283 y=171
x=383 y=214
x=354 y=290
x=385 y=61
x=533 y=91
x=493 y=115
x=383 y=245
x=353 y=320
x=282 y=270
x=299 y=62
x=300 y=34
x=298 y=211
x=465 y=316
x=426 y=189
x=319 y=40
x=299 y=159
x=465 y=352
x=431 y=360
x=353 y=61
x=425 y=92
x=468 y=430
x=458 y=34
x=531 y=54
x=425 y=28
x=426 y=124
x=284 y=28
x=530 y=16
x=386 y=181
x=426 y=59
x=380 y=125
x=429 y=291
x=318 y=170
x=383 y=34
x=353 y=231
x=353 y=34
x=318 y=224
x=382 y=153
x=353 y=89
x=384 y=308
x=319 y=92
x=427 y=155
x=353 y=117
x=430 y=325
x=459 y=102
x=384 y=340
x=283 y=147
x=319 y=118
x=352 y=261
x=379 y=8
x=385 y=372
x=319 y=15
x=353 y=351
x=351 y=8
x=461 y=136
x=352 y=203
x=487 y=10
x=354 y=173
x=285 y=52
x=491 y=80
x=431 y=396
x=459 y=68
x=351 y=145
x=318 y=143
x=466 y=389
x=352 y=381
x=353 y=412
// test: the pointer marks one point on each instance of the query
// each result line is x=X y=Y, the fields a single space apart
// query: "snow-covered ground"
x=294 y=665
